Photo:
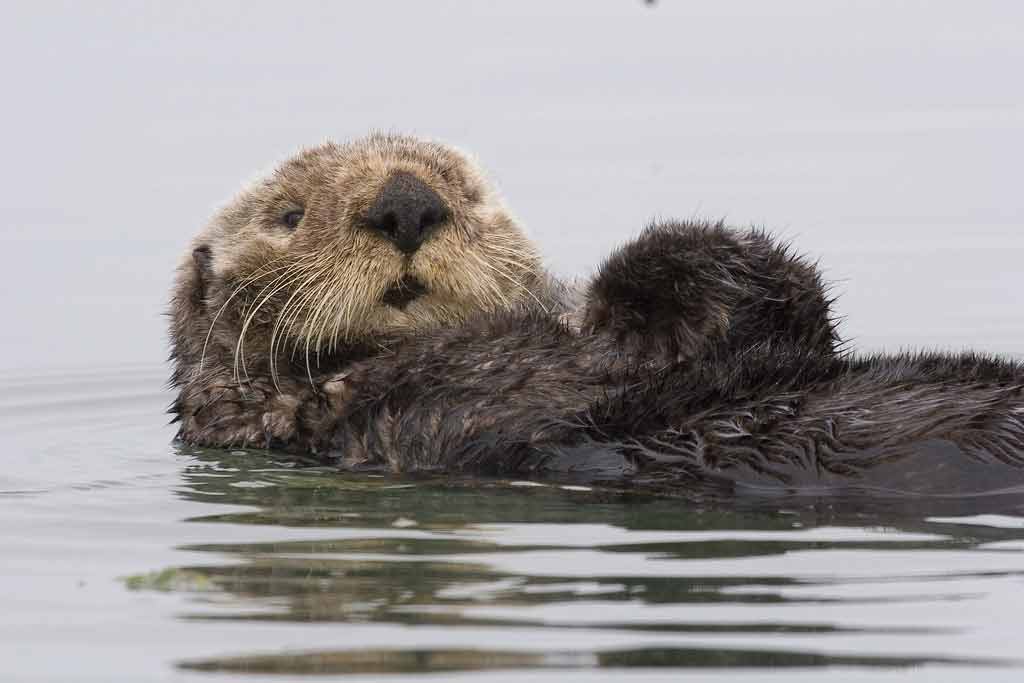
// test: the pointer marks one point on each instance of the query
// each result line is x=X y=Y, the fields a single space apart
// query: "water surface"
x=129 y=559
x=883 y=138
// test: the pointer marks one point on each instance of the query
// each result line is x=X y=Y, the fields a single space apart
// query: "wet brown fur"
x=698 y=354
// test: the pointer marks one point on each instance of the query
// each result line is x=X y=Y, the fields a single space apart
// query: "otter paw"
x=280 y=420
x=337 y=389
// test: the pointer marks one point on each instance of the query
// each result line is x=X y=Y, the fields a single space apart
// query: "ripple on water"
x=248 y=563
x=480 y=578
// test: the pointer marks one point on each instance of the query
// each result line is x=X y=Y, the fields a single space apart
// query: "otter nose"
x=406 y=211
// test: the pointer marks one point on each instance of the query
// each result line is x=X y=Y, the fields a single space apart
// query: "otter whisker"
x=248 y=316
x=497 y=245
x=299 y=327
x=298 y=307
x=292 y=308
x=528 y=261
x=341 y=309
x=299 y=270
x=503 y=273
x=314 y=318
x=282 y=316
x=244 y=283
x=524 y=267
x=519 y=285
x=312 y=329
x=277 y=284
x=480 y=268
x=289 y=312
x=358 y=306
x=322 y=313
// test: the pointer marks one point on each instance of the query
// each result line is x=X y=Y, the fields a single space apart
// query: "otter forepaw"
x=337 y=389
x=280 y=420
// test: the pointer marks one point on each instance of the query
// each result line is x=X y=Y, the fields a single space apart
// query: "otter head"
x=342 y=247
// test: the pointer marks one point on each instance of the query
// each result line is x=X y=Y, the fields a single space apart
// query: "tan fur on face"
x=270 y=293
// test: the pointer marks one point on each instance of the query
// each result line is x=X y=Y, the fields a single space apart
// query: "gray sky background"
x=884 y=137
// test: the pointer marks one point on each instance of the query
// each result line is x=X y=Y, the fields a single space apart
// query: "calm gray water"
x=883 y=137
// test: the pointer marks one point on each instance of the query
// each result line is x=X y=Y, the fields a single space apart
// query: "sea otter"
x=346 y=252
x=375 y=304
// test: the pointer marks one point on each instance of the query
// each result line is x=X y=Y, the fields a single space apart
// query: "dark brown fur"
x=699 y=354
x=768 y=416
x=781 y=416
x=683 y=289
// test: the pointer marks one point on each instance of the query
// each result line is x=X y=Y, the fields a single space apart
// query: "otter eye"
x=292 y=218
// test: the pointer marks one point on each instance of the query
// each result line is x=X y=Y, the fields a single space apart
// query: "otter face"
x=347 y=244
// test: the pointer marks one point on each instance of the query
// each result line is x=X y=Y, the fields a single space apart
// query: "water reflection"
x=433 y=661
x=626 y=581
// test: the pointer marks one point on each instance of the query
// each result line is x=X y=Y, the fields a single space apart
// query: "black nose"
x=406 y=211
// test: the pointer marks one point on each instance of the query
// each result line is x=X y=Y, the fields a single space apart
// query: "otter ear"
x=188 y=309
x=202 y=270
x=202 y=255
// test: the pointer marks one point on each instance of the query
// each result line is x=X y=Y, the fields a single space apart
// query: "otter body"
x=374 y=304
x=524 y=397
